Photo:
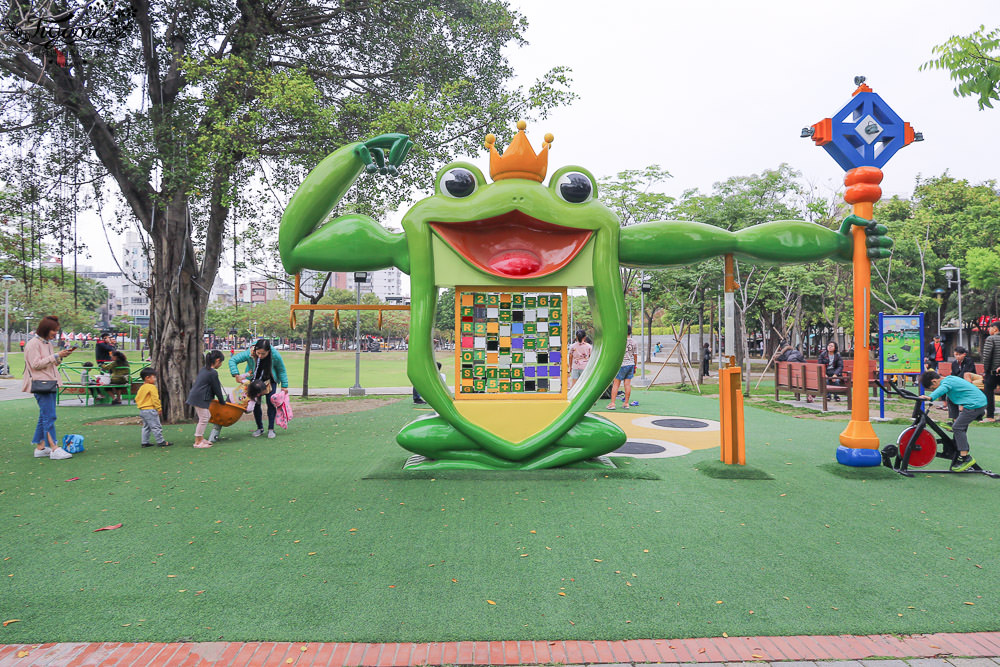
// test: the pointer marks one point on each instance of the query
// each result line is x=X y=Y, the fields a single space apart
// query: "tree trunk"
x=177 y=319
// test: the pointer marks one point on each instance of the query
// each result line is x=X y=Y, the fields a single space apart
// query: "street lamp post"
x=357 y=389
x=644 y=289
x=7 y=280
x=939 y=297
x=954 y=275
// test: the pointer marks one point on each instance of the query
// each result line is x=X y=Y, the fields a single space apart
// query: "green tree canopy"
x=973 y=62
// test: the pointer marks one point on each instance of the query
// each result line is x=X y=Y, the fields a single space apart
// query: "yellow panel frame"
x=337 y=307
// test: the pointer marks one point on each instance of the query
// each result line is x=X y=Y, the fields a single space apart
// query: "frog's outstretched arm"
x=668 y=242
x=351 y=242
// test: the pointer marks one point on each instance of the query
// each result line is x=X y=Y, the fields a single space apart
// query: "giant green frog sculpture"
x=513 y=233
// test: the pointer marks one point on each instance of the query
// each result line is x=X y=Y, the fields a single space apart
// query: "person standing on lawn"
x=935 y=354
x=206 y=387
x=971 y=404
x=265 y=365
x=579 y=356
x=625 y=373
x=991 y=368
x=41 y=362
x=147 y=399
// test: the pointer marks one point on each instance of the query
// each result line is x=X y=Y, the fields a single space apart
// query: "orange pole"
x=862 y=192
x=732 y=440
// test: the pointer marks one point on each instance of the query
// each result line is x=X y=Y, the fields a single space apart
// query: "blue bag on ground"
x=73 y=443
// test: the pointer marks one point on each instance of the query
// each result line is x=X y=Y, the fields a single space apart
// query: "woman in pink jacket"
x=41 y=362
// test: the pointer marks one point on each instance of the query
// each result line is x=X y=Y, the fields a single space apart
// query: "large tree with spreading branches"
x=188 y=111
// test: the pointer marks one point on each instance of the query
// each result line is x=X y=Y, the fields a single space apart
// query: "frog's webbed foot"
x=592 y=436
x=373 y=153
x=447 y=448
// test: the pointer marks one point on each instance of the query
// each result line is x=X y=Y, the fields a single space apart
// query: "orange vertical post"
x=732 y=440
x=862 y=192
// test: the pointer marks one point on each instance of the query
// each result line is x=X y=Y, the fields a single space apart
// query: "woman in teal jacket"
x=265 y=365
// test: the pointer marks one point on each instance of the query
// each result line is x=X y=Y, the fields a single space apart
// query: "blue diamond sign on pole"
x=865 y=133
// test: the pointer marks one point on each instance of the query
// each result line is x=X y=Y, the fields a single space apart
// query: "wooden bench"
x=807 y=378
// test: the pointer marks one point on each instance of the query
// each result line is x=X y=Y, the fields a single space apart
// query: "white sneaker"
x=272 y=434
x=42 y=453
x=59 y=453
x=259 y=432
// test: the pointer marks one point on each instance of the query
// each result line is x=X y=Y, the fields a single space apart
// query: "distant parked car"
x=317 y=346
x=283 y=346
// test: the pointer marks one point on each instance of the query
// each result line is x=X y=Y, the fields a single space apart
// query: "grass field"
x=326 y=369
x=313 y=536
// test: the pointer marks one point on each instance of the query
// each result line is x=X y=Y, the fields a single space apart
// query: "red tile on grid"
x=574 y=654
x=480 y=653
x=729 y=649
x=992 y=640
x=169 y=655
x=128 y=654
x=371 y=654
x=243 y=654
x=712 y=651
x=83 y=655
x=279 y=654
x=406 y=654
x=542 y=654
x=230 y=651
x=985 y=647
x=695 y=648
x=261 y=655
x=511 y=656
x=464 y=653
x=632 y=650
x=315 y=655
x=619 y=651
x=557 y=652
x=767 y=647
x=339 y=657
x=354 y=654
x=449 y=653
x=382 y=654
x=973 y=646
x=435 y=653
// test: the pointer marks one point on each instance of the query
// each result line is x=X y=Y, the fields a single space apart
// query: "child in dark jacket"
x=206 y=387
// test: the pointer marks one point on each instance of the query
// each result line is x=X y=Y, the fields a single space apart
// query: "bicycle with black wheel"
x=917 y=446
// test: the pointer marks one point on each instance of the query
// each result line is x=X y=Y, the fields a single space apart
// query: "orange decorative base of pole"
x=858 y=442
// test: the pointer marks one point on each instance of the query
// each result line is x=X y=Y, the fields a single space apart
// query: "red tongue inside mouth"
x=515 y=262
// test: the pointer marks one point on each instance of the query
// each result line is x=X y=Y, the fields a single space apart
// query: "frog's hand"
x=878 y=243
x=671 y=242
x=350 y=242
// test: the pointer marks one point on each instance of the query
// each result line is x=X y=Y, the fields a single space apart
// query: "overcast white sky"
x=710 y=89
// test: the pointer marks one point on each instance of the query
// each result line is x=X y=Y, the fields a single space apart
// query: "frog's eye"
x=458 y=183
x=574 y=187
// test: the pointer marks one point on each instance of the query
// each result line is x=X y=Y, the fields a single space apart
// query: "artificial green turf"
x=284 y=539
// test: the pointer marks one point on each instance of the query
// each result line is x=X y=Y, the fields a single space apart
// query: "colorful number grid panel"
x=510 y=343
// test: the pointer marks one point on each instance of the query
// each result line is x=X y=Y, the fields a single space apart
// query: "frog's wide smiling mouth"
x=513 y=245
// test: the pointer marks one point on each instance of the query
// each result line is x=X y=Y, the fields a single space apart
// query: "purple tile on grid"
x=529 y=372
x=517 y=343
x=555 y=357
x=555 y=371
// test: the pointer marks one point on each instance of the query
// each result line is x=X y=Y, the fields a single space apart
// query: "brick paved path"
x=935 y=650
